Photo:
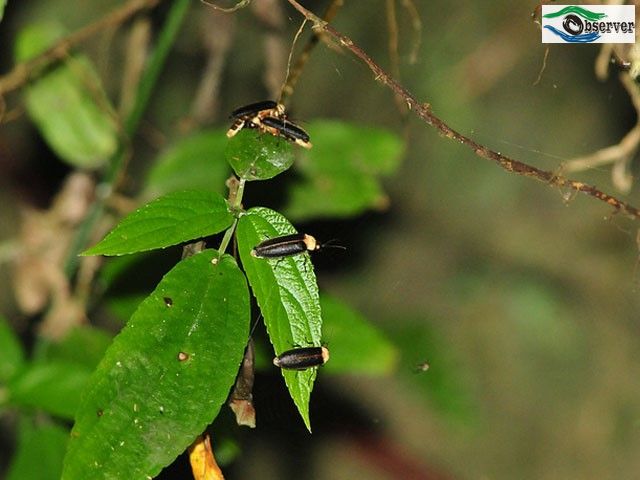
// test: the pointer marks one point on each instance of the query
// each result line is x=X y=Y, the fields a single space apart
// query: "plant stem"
x=239 y=193
x=227 y=237
x=235 y=205
x=148 y=80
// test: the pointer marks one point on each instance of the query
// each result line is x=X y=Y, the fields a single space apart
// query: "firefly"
x=302 y=358
x=286 y=246
x=251 y=115
x=281 y=127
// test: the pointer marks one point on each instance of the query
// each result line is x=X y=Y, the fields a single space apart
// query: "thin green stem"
x=237 y=203
x=227 y=237
x=147 y=83
x=157 y=60
x=238 y=200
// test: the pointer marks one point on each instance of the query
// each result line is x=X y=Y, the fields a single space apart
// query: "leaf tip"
x=88 y=252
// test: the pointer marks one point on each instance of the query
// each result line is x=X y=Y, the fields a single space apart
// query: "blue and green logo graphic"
x=577 y=24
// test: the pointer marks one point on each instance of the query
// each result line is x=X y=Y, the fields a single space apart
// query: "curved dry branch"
x=620 y=154
x=423 y=110
x=23 y=72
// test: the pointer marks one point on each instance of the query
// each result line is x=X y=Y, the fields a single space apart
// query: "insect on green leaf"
x=287 y=293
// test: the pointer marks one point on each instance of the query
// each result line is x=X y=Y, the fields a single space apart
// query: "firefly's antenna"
x=331 y=244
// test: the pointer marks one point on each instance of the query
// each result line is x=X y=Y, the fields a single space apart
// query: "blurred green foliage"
x=68 y=103
x=524 y=307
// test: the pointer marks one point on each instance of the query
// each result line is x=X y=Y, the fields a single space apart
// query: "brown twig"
x=23 y=72
x=394 y=57
x=296 y=71
x=237 y=6
x=620 y=154
x=423 y=110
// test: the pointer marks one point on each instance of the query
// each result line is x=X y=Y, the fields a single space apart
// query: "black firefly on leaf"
x=281 y=127
x=289 y=245
x=302 y=358
x=286 y=246
x=268 y=117
x=250 y=116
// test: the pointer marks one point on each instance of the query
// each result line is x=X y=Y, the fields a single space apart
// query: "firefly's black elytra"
x=253 y=109
x=250 y=116
x=286 y=246
x=284 y=128
x=269 y=117
x=302 y=358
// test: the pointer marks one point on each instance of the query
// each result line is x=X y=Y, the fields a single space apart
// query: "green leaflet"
x=12 y=357
x=287 y=293
x=39 y=452
x=356 y=345
x=195 y=162
x=52 y=387
x=445 y=385
x=169 y=220
x=83 y=345
x=68 y=103
x=165 y=375
x=341 y=174
x=258 y=156
x=58 y=371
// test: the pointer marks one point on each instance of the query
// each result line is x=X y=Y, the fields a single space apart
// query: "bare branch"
x=24 y=71
x=423 y=110
x=296 y=71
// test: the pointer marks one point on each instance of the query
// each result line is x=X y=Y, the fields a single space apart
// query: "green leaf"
x=59 y=371
x=68 y=103
x=196 y=162
x=445 y=383
x=123 y=306
x=341 y=173
x=169 y=220
x=165 y=375
x=341 y=196
x=356 y=346
x=258 y=156
x=83 y=345
x=127 y=280
x=12 y=356
x=287 y=293
x=3 y=4
x=52 y=387
x=345 y=147
x=39 y=452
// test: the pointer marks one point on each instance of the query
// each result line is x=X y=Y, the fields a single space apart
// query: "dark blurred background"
x=524 y=304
